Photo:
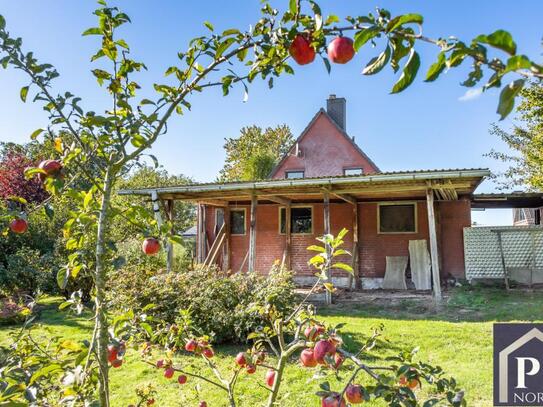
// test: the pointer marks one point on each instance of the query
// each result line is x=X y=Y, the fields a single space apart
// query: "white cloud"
x=471 y=94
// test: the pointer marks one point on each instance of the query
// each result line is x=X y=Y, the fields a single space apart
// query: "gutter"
x=365 y=179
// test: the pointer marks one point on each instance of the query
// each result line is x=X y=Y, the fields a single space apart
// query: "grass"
x=458 y=338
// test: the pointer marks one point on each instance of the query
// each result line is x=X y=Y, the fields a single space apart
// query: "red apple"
x=323 y=348
x=208 y=353
x=160 y=364
x=340 y=50
x=338 y=361
x=354 y=394
x=116 y=363
x=260 y=357
x=168 y=373
x=18 y=226
x=111 y=353
x=333 y=400
x=313 y=332
x=251 y=369
x=301 y=50
x=150 y=402
x=51 y=168
x=411 y=383
x=182 y=379
x=270 y=377
x=191 y=345
x=150 y=246
x=202 y=404
x=307 y=357
x=240 y=359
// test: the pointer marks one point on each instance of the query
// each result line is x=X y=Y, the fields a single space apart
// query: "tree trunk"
x=100 y=277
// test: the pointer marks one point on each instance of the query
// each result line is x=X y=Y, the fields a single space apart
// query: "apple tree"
x=115 y=137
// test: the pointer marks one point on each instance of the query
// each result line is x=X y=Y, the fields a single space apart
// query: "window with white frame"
x=294 y=174
x=397 y=218
x=353 y=171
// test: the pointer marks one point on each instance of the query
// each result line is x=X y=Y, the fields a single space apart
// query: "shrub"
x=12 y=312
x=220 y=305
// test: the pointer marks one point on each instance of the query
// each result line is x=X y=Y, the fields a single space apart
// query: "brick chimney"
x=337 y=110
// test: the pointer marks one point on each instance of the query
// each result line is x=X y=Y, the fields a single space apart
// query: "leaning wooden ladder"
x=215 y=248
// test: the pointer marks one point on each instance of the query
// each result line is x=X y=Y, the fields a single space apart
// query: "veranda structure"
x=246 y=226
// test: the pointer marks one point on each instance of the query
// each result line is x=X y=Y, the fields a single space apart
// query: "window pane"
x=353 y=171
x=295 y=174
x=397 y=218
x=300 y=221
x=237 y=222
x=219 y=219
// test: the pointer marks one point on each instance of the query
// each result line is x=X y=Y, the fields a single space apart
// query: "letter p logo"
x=521 y=371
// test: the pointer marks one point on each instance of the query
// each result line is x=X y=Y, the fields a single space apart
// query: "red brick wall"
x=454 y=216
x=373 y=246
x=325 y=152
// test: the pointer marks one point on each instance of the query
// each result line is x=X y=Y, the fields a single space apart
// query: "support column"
x=226 y=253
x=326 y=210
x=433 y=245
x=288 y=237
x=169 y=245
x=355 y=254
x=252 y=234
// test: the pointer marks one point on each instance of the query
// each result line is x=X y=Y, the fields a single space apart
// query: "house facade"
x=325 y=183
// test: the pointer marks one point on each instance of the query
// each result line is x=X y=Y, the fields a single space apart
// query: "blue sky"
x=427 y=126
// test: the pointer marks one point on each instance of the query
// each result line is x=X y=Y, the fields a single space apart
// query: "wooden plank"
x=215 y=247
x=346 y=197
x=355 y=254
x=252 y=234
x=502 y=258
x=278 y=199
x=215 y=202
x=288 y=237
x=328 y=294
x=433 y=245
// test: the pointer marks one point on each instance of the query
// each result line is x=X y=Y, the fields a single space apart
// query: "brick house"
x=325 y=183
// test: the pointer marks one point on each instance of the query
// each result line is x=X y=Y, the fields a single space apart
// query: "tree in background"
x=526 y=141
x=14 y=160
x=254 y=153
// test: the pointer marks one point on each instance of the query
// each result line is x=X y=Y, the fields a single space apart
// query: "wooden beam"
x=346 y=197
x=328 y=294
x=434 y=252
x=252 y=234
x=355 y=254
x=215 y=247
x=214 y=202
x=279 y=199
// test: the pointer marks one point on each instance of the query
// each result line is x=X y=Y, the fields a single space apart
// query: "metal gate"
x=504 y=252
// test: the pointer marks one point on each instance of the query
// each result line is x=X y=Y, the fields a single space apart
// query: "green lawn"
x=458 y=338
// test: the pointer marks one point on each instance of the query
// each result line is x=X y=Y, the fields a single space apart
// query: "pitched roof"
x=306 y=131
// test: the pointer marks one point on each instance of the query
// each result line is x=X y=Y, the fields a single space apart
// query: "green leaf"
x=518 y=62
x=24 y=93
x=332 y=19
x=377 y=63
x=500 y=39
x=409 y=72
x=507 y=97
x=44 y=371
x=62 y=277
x=436 y=68
x=403 y=19
x=316 y=248
x=209 y=25
x=2 y=22
x=293 y=6
x=92 y=31
x=49 y=211
x=343 y=266
x=329 y=287
x=363 y=36
x=223 y=47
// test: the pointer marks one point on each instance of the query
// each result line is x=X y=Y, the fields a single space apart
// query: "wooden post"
x=169 y=246
x=355 y=254
x=502 y=258
x=252 y=234
x=226 y=253
x=288 y=237
x=433 y=245
x=326 y=207
x=201 y=243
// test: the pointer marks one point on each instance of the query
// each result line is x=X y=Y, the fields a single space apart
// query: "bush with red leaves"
x=13 y=182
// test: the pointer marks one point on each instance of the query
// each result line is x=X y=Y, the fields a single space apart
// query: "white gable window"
x=294 y=174
x=353 y=171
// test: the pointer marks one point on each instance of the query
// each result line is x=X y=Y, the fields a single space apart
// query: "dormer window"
x=294 y=174
x=353 y=171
